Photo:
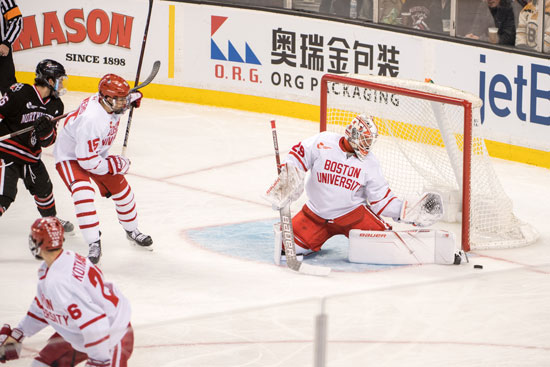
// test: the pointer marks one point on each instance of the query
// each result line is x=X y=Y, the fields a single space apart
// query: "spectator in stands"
x=517 y=6
x=425 y=14
x=340 y=8
x=389 y=11
x=498 y=14
x=527 y=36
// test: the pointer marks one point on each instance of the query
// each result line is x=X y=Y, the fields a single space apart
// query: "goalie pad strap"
x=424 y=246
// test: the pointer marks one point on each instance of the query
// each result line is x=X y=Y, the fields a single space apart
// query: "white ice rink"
x=198 y=169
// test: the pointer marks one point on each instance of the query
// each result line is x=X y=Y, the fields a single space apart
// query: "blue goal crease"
x=254 y=241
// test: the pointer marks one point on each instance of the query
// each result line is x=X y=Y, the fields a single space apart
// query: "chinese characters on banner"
x=333 y=55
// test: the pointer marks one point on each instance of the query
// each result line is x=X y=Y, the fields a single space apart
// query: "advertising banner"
x=260 y=54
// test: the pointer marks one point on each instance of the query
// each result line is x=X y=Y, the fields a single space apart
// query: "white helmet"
x=361 y=134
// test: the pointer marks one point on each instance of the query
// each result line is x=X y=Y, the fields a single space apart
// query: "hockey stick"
x=30 y=128
x=152 y=75
x=286 y=227
x=140 y=62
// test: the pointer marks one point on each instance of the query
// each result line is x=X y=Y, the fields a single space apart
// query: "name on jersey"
x=79 y=267
x=113 y=129
x=340 y=174
x=50 y=314
x=31 y=116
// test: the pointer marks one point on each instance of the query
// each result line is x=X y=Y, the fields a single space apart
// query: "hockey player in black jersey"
x=22 y=106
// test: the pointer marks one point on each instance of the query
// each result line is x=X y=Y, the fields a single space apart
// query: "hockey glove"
x=10 y=343
x=43 y=127
x=118 y=165
x=288 y=187
x=135 y=99
x=425 y=211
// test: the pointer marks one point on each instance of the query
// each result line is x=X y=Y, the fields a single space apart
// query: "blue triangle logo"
x=215 y=52
x=233 y=54
x=251 y=57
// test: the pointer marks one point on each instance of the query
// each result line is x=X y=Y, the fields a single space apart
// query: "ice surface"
x=208 y=295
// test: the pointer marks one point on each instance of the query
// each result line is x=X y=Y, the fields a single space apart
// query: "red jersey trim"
x=30 y=314
x=299 y=160
x=385 y=196
x=96 y=342
x=388 y=203
x=87 y=158
x=92 y=321
x=17 y=155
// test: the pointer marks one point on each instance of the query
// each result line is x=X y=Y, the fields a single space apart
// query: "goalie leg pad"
x=402 y=247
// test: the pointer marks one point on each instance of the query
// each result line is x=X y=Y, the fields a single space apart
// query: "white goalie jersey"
x=338 y=182
x=87 y=311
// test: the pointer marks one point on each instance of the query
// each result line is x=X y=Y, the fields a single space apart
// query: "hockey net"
x=430 y=140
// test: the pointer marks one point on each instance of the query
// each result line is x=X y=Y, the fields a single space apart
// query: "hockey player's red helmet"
x=361 y=134
x=46 y=234
x=117 y=89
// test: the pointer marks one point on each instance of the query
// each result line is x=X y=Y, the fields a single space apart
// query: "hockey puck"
x=477 y=266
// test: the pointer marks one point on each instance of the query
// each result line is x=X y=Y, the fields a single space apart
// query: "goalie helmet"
x=114 y=92
x=361 y=134
x=46 y=234
x=50 y=69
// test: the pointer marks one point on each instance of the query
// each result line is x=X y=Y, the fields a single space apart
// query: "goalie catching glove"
x=10 y=343
x=424 y=212
x=287 y=188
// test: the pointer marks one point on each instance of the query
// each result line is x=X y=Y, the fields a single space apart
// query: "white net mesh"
x=420 y=148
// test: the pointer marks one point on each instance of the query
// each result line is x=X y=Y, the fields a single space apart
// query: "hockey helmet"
x=361 y=134
x=46 y=234
x=114 y=91
x=50 y=69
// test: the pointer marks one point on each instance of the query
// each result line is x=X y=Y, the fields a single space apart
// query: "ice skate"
x=67 y=226
x=94 y=251
x=139 y=239
x=460 y=257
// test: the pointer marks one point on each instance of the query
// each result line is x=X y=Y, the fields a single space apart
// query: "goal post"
x=430 y=139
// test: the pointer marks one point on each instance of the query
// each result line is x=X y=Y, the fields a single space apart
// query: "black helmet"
x=50 y=69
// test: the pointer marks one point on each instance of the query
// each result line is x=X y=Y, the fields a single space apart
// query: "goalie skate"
x=94 y=252
x=139 y=239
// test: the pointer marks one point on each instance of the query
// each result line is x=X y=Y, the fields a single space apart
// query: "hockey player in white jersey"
x=90 y=316
x=82 y=155
x=348 y=194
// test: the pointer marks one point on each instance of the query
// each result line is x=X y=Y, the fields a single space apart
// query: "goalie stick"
x=30 y=128
x=156 y=66
x=286 y=227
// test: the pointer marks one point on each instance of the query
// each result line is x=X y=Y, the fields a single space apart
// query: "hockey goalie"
x=348 y=194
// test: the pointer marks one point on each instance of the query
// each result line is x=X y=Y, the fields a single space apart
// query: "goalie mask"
x=114 y=92
x=46 y=234
x=50 y=69
x=361 y=134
